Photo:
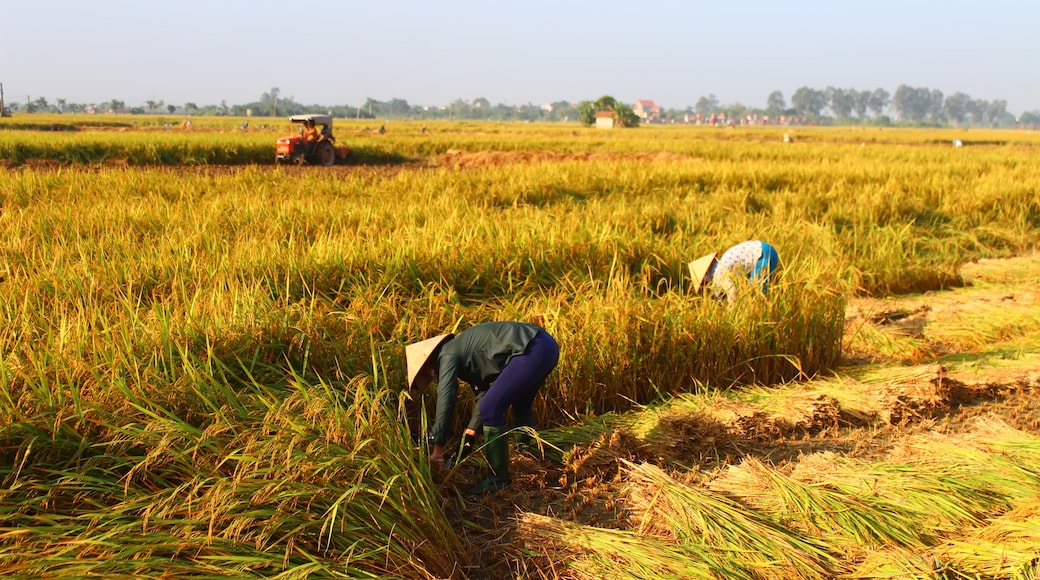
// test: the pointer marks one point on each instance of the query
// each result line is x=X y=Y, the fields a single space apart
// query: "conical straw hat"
x=699 y=269
x=418 y=353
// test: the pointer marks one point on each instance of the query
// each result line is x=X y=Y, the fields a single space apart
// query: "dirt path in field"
x=465 y=160
x=930 y=367
x=455 y=160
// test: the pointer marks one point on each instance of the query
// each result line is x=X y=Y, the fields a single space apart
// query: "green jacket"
x=476 y=355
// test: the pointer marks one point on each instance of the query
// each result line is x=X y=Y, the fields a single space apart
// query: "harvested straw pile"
x=935 y=506
x=717 y=524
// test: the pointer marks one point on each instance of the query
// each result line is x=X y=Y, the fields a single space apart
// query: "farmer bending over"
x=506 y=363
x=754 y=261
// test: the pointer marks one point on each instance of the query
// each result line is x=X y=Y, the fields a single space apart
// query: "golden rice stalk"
x=1007 y=547
x=591 y=553
x=850 y=521
x=695 y=516
x=894 y=563
x=952 y=495
x=1007 y=461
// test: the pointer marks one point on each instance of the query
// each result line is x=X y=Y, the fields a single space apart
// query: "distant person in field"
x=310 y=135
x=506 y=364
x=310 y=132
x=753 y=261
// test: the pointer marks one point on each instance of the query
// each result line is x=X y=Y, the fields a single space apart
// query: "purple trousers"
x=519 y=382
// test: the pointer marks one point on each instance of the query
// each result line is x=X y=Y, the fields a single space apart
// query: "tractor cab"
x=321 y=123
x=311 y=142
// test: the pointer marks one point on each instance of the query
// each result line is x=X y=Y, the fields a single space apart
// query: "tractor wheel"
x=325 y=154
x=299 y=158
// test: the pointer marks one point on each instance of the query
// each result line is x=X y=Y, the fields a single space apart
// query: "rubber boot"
x=496 y=449
x=523 y=433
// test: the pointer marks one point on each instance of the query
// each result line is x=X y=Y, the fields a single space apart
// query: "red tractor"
x=313 y=144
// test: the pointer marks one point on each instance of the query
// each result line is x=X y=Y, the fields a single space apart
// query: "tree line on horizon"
x=908 y=105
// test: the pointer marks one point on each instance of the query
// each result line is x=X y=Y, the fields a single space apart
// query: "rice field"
x=201 y=363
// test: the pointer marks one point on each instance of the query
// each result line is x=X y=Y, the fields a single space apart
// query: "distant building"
x=605 y=120
x=647 y=110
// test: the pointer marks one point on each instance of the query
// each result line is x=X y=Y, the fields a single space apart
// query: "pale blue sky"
x=432 y=52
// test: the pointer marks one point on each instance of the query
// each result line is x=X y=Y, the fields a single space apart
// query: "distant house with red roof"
x=605 y=120
x=646 y=110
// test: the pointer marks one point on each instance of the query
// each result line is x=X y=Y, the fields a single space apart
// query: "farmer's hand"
x=469 y=440
x=437 y=460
